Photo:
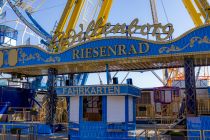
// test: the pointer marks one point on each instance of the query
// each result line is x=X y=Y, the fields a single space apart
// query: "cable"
x=101 y=82
x=8 y=21
x=164 y=11
x=44 y=9
x=125 y=77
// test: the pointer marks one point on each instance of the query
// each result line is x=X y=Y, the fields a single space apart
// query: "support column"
x=107 y=74
x=134 y=109
x=80 y=109
x=190 y=87
x=104 y=109
x=68 y=107
x=71 y=79
x=126 y=109
x=71 y=83
x=51 y=96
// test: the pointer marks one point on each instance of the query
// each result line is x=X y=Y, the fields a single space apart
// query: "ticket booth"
x=101 y=112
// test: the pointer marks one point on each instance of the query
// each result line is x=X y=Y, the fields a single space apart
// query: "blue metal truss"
x=190 y=87
x=52 y=96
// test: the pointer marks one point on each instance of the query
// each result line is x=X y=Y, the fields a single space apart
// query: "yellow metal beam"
x=75 y=15
x=204 y=4
x=65 y=15
x=104 y=12
x=105 y=9
x=205 y=9
x=201 y=8
x=72 y=22
x=62 y=23
x=193 y=13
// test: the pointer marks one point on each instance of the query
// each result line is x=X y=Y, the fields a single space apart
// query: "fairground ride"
x=32 y=29
x=81 y=11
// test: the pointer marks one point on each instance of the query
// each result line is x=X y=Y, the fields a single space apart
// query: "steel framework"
x=190 y=87
x=51 y=96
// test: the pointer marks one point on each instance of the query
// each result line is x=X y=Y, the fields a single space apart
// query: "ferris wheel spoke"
x=3 y=6
x=37 y=25
x=24 y=32
x=39 y=6
x=26 y=22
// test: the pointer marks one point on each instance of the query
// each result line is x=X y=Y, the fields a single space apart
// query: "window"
x=92 y=108
x=144 y=99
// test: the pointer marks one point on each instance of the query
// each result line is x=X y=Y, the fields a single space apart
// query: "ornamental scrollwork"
x=174 y=48
x=23 y=57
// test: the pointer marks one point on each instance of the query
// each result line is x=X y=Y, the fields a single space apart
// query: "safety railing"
x=18 y=132
x=173 y=134
x=203 y=106
x=32 y=131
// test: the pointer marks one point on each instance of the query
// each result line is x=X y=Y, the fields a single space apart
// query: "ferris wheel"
x=25 y=28
x=22 y=12
x=24 y=35
x=21 y=26
x=20 y=17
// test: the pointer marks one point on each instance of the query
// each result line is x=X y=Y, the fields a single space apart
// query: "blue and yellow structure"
x=108 y=111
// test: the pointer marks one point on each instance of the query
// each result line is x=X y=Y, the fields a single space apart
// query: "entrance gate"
x=119 y=54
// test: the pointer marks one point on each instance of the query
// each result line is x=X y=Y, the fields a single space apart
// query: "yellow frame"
x=193 y=13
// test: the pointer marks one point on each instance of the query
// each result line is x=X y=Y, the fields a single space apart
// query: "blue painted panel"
x=17 y=97
x=197 y=125
x=101 y=130
x=44 y=129
x=194 y=127
x=196 y=41
x=26 y=127
x=98 y=90
x=104 y=109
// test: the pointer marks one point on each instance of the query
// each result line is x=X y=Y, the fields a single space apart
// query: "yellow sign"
x=95 y=29
x=13 y=57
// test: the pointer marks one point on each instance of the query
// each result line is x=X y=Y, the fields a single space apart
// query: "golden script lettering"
x=96 y=29
x=107 y=51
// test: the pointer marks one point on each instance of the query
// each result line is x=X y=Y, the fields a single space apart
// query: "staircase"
x=180 y=118
x=41 y=99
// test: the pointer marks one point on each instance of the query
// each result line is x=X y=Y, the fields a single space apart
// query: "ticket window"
x=92 y=108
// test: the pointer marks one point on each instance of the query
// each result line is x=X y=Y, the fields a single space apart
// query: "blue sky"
x=127 y=10
x=124 y=11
